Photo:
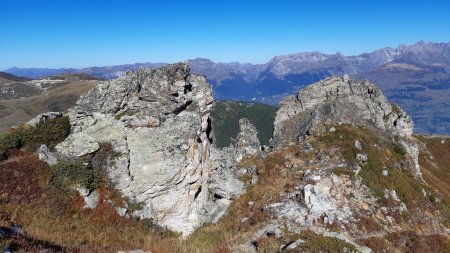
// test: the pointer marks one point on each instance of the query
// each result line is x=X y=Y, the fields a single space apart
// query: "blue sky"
x=82 y=33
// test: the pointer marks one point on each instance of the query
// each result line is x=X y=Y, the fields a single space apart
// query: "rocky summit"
x=339 y=100
x=157 y=122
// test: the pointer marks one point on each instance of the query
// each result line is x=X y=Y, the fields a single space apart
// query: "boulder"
x=41 y=118
x=47 y=156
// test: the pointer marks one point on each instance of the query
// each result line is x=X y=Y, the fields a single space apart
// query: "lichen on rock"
x=157 y=122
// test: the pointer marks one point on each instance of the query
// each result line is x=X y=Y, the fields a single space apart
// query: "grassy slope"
x=434 y=160
x=19 y=111
x=55 y=215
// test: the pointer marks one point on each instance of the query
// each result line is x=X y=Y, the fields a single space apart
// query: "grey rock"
x=307 y=147
x=255 y=179
x=41 y=118
x=361 y=158
x=90 y=197
x=333 y=100
x=340 y=100
x=247 y=142
x=293 y=245
x=157 y=122
x=121 y=211
x=358 y=145
x=214 y=210
x=47 y=156
x=225 y=184
x=77 y=145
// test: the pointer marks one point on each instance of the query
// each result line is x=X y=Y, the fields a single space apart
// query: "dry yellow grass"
x=19 y=111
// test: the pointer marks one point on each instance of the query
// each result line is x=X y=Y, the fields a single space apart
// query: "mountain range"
x=417 y=77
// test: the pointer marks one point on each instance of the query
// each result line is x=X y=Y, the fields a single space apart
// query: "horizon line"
x=230 y=62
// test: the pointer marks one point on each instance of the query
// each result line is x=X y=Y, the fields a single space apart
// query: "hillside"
x=8 y=77
x=14 y=112
x=226 y=114
x=343 y=172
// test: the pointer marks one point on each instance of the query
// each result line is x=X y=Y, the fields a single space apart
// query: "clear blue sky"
x=82 y=33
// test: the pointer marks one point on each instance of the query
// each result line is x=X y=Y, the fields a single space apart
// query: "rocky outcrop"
x=90 y=198
x=346 y=140
x=157 y=122
x=247 y=142
x=339 y=100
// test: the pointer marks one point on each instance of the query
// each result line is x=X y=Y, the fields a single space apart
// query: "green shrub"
x=398 y=149
x=7 y=142
x=49 y=133
x=65 y=175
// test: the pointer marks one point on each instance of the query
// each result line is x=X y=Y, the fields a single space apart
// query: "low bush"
x=49 y=133
x=8 y=142
x=66 y=175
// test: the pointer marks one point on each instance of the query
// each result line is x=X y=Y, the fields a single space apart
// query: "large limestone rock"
x=338 y=100
x=158 y=124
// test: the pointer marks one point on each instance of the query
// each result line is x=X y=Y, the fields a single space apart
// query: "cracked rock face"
x=338 y=100
x=158 y=124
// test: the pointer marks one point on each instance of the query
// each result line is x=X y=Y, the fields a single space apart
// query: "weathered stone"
x=157 y=122
x=358 y=145
x=361 y=158
x=337 y=100
x=247 y=142
x=224 y=184
x=90 y=197
x=77 y=145
x=44 y=117
x=293 y=245
x=47 y=156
